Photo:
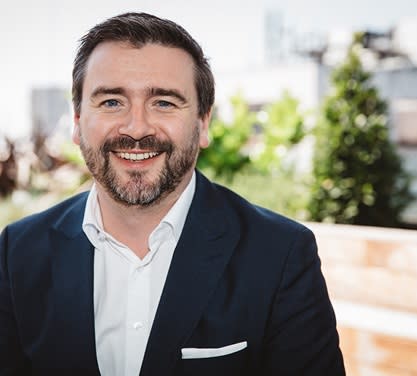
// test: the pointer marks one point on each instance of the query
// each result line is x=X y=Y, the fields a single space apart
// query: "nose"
x=137 y=123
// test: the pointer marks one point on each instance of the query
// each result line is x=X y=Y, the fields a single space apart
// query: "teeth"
x=137 y=156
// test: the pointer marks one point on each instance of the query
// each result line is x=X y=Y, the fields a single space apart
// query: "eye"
x=164 y=104
x=111 y=103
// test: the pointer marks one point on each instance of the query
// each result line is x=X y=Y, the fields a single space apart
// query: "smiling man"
x=156 y=270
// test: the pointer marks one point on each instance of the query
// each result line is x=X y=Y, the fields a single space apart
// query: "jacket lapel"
x=205 y=247
x=72 y=272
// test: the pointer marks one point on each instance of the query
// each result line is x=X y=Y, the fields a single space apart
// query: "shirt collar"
x=92 y=212
x=175 y=217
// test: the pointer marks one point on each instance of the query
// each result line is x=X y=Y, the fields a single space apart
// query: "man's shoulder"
x=51 y=216
x=256 y=216
x=264 y=235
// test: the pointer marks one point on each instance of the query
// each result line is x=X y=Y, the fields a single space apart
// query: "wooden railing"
x=371 y=275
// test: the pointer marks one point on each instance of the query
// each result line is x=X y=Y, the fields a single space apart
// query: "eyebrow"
x=158 y=91
x=103 y=90
x=151 y=92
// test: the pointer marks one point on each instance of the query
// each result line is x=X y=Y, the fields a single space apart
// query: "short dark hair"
x=139 y=29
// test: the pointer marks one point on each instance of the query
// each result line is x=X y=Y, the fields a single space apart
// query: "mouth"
x=137 y=156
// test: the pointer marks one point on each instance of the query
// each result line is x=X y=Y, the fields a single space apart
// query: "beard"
x=142 y=188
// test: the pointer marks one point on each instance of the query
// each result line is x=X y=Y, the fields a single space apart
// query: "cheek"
x=92 y=128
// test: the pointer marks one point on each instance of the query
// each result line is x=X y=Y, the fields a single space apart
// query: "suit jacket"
x=239 y=274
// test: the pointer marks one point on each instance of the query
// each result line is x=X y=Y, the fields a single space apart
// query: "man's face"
x=138 y=128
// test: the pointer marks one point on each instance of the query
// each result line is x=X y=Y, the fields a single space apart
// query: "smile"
x=137 y=156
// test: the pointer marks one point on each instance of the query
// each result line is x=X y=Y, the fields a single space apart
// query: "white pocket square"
x=199 y=353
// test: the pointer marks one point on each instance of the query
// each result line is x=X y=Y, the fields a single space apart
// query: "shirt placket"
x=137 y=318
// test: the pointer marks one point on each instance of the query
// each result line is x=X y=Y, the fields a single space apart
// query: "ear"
x=76 y=130
x=204 y=130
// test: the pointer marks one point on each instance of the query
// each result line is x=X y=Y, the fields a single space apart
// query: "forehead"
x=122 y=64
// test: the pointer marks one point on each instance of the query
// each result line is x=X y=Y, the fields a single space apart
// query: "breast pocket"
x=200 y=353
x=229 y=360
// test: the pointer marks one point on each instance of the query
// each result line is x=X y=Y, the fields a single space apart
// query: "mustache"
x=150 y=143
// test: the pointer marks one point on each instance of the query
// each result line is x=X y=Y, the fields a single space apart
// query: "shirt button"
x=138 y=325
x=101 y=237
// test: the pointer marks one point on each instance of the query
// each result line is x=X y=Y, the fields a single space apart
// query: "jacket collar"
x=207 y=242
x=72 y=291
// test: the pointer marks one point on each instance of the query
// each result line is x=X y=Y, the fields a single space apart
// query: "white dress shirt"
x=127 y=289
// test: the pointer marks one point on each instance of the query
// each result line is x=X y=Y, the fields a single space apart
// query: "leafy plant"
x=224 y=157
x=358 y=175
x=282 y=128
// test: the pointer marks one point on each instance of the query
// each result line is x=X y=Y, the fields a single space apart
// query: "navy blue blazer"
x=239 y=273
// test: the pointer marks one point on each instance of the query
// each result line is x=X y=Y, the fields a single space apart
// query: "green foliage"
x=235 y=146
x=71 y=153
x=358 y=177
x=286 y=192
x=247 y=155
x=282 y=127
x=224 y=157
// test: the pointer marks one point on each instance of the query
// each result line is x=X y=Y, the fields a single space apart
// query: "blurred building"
x=302 y=65
x=50 y=111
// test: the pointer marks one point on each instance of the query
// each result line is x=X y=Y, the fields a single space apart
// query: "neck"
x=132 y=225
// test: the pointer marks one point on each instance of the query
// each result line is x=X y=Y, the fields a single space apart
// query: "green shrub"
x=224 y=157
x=358 y=176
x=282 y=128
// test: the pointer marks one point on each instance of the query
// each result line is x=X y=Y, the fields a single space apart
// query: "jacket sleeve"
x=12 y=361
x=302 y=338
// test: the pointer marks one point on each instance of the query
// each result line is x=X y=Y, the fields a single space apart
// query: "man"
x=157 y=271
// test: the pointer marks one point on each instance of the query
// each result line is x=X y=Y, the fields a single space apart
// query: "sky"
x=39 y=39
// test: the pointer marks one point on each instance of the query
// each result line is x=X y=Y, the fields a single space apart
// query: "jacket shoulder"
x=258 y=216
x=49 y=217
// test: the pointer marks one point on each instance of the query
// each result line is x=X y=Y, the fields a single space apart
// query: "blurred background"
x=315 y=117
